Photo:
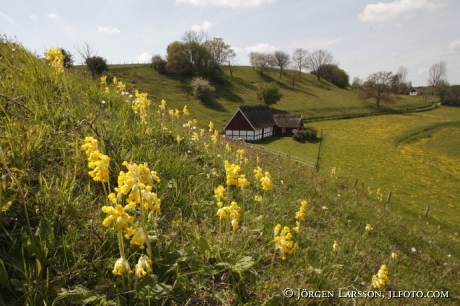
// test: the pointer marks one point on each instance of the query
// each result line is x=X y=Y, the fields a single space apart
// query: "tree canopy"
x=269 y=93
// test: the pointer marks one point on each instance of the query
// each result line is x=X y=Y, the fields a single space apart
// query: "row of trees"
x=196 y=56
x=320 y=63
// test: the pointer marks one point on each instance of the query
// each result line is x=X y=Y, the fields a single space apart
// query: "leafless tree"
x=282 y=60
x=261 y=61
x=403 y=72
x=231 y=61
x=317 y=60
x=218 y=49
x=438 y=75
x=378 y=86
x=199 y=37
x=298 y=58
x=293 y=75
x=85 y=51
x=357 y=83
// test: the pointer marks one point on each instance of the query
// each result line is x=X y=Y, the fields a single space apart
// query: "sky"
x=364 y=36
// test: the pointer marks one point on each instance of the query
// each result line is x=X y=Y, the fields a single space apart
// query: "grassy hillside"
x=83 y=221
x=309 y=97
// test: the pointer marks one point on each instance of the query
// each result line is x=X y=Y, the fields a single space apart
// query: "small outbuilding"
x=286 y=123
x=415 y=92
x=251 y=123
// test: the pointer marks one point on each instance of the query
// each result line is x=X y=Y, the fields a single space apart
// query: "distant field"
x=309 y=97
x=424 y=171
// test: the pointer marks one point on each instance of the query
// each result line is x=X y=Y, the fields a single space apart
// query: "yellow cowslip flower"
x=121 y=86
x=202 y=132
x=140 y=238
x=228 y=147
x=232 y=173
x=325 y=208
x=239 y=153
x=266 y=182
x=219 y=193
x=103 y=80
x=394 y=255
x=258 y=159
x=97 y=162
x=106 y=90
x=243 y=182
x=211 y=126
x=117 y=213
x=140 y=104
x=283 y=241
x=56 y=59
x=121 y=266
x=215 y=137
x=114 y=80
x=297 y=227
x=369 y=228
x=162 y=106
x=195 y=136
x=334 y=172
x=185 y=111
x=144 y=266
x=381 y=279
x=335 y=246
x=222 y=213
x=258 y=173
x=234 y=224
x=179 y=139
x=176 y=113
x=369 y=190
x=258 y=198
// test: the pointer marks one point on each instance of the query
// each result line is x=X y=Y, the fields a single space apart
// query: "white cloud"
x=52 y=16
x=144 y=58
x=33 y=17
x=108 y=30
x=8 y=19
x=422 y=70
x=455 y=46
x=237 y=49
x=394 y=54
x=325 y=43
x=231 y=3
x=399 y=8
x=261 y=48
x=397 y=25
x=204 y=27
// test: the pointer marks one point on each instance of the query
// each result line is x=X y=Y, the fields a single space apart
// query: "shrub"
x=96 y=65
x=307 y=133
x=269 y=93
x=201 y=87
x=159 y=64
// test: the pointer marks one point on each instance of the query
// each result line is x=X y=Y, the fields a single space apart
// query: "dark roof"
x=259 y=116
x=288 y=120
x=416 y=89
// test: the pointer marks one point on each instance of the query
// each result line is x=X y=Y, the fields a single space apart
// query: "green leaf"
x=45 y=234
x=149 y=288
x=30 y=243
x=243 y=264
x=171 y=258
x=4 y=278
x=203 y=245
x=82 y=296
x=273 y=301
x=17 y=284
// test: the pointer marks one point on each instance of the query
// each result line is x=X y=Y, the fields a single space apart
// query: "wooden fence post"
x=389 y=197
x=427 y=210
x=319 y=151
x=356 y=183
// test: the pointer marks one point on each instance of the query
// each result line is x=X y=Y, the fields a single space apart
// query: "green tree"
x=201 y=88
x=96 y=65
x=68 y=58
x=378 y=86
x=335 y=75
x=269 y=93
x=159 y=63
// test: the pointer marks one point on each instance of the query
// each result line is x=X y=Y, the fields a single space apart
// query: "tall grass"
x=66 y=256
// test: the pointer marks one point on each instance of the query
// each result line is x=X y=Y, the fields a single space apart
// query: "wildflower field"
x=109 y=197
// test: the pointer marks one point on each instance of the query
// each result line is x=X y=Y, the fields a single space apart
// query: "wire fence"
x=289 y=157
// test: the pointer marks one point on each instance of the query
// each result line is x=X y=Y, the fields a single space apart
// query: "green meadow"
x=108 y=197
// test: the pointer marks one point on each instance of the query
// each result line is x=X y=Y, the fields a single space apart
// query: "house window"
x=283 y=130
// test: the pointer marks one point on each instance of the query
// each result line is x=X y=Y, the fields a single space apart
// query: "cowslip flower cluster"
x=140 y=104
x=56 y=59
x=369 y=228
x=334 y=173
x=97 y=162
x=381 y=279
x=185 y=111
x=121 y=266
x=103 y=80
x=266 y=181
x=143 y=266
x=135 y=186
x=240 y=154
x=335 y=246
x=283 y=241
x=215 y=137
x=162 y=107
x=211 y=126
x=219 y=195
x=120 y=86
x=394 y=255
x=231 y=211
x=228 y=148
x=300 y=215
